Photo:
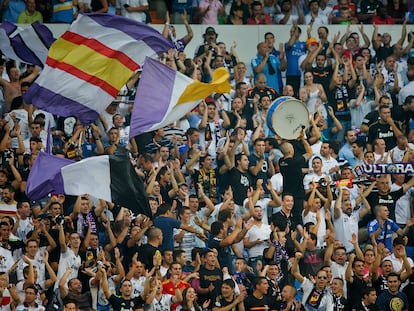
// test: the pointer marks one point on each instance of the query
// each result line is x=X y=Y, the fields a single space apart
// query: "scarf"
x=314 y=299
x=208 y=181
x=82 y=224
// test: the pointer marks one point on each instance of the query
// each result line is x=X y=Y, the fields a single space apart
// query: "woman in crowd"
x=313 y=94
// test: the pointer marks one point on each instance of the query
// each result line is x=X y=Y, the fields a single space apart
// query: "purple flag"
x=96 y=56
x=156 y=107
x=44 y=177
x=29 y=45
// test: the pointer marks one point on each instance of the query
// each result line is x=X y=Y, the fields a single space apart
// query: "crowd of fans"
x=214 y=12
x=241 y=217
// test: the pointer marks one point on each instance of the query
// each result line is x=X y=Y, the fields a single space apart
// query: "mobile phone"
x=126 y=5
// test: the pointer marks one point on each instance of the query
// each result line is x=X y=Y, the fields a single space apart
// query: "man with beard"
x=392 y=299
x=346 y=150
x=259 y=166
x=240 y=178
x=290 y=14
x=210 y=40
x=8 y=205
x=358 y=151
x=315 y=295
x=257 y=237
x=322 y=73
x=345 y=219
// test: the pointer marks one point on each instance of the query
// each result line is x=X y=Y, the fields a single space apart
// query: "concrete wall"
x=247 y=37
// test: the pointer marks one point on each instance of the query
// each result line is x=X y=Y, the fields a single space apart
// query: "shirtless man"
x=11 y=89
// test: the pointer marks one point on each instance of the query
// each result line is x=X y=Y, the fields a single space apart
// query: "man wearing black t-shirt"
x=123 y=302
x=386 y=197
x=239 y=178
x=210 y=279
x=258 y=301
x=354 y=276
x=322 y=74
x=291 y=170
x=147 y=251
x=228 y=299
x=384 y=128
x=367 y=303
x=382 y=43
x=283 y=219
x=373 y=116
x=392 y=299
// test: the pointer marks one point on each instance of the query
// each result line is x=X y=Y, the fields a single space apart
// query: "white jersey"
x=68 y=259
x=345 y=226
x=261 y=232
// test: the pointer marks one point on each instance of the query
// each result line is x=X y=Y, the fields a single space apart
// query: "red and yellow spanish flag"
x=87 y=66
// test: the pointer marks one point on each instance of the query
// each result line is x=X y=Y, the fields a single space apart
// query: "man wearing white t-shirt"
x=316 y=174
x=398 y=152
x=134 y=9
x=346 y=219
x=267 y=204
x=315 y=17
x=69 y=255
x=256 y=239
x=403 y=207
x=397 y=257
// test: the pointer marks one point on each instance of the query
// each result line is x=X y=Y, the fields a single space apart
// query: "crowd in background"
x=241 y=217
x=214 y=12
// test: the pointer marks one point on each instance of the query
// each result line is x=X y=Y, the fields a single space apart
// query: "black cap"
x=210 y=30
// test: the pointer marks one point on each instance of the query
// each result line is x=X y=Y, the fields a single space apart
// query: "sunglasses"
x=322 y=277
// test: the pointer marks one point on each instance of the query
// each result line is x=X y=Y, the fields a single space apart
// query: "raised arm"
x=104 y=282
x=63 y=290
x=295 y=270
x=62 y=239
x=338 y=205
x=294 y=31
x=335 y=73
x=348 y=273
x=52 y=275
x=364 y=36
x=376 y=41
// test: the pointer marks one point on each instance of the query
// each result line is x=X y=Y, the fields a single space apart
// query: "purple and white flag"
x=87 y=66
x=29 y=45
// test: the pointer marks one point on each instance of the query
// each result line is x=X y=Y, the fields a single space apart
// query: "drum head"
x=289 y=117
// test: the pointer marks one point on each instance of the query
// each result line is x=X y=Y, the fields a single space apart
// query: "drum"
x=287 y=116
